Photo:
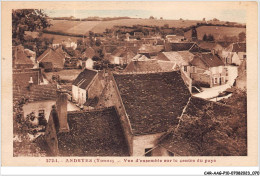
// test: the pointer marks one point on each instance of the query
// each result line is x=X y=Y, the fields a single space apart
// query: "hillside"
x=217 y=31
x=83 y=27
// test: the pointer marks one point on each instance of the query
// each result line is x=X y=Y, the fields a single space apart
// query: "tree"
x=27 y=20
x=205 y=37
x=210 y=37
x=151 y=18
x=242 y=37
x=166 y=25
x=204 y=19
x=194 y=33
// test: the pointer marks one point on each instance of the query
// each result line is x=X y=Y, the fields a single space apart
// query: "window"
x=185 y=68
x=216 y=80
x=148 y=152
x=194 y=70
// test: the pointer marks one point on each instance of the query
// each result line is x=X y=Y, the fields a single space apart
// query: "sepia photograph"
x=135 y=84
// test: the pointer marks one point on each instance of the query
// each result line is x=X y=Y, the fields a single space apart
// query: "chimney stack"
x=30 y=84
x=61 y=105
x=213 y=52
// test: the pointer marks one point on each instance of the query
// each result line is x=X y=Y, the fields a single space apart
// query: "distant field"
x=83 y=27
x=217 y=32
x=62 y=25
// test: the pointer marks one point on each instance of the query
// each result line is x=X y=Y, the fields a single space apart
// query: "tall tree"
x=27 y=20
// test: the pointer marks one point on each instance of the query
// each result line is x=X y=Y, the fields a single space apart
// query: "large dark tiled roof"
x=93 y=133
x=152 y=101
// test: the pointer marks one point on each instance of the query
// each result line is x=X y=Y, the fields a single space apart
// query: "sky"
x=232 y=15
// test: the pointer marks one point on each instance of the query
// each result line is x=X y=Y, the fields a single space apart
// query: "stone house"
x=208 y=70
x=87 y=87
x=181 y=59
x=148 y=104
x=121 y=56
x=234 y=53
x=84 y=133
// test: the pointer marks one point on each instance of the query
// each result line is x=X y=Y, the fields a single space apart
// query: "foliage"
x=39 y=45
x=242 y=37
x=27 y=20
x=217 y=135
x=209 y=37
x=232 y=39
x=194 y=33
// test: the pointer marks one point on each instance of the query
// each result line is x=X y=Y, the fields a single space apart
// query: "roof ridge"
x=91 y=110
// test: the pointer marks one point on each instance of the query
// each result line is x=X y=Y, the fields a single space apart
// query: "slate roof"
x=36 y=93
x=93 y=133
x=152 y=101
x=84 y=78
x=209 y=59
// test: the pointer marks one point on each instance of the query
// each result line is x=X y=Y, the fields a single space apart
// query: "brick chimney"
x=61 y=105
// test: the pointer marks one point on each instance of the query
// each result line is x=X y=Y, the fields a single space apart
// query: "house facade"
x=208 y=70
x=234 y=54
x=87 y=86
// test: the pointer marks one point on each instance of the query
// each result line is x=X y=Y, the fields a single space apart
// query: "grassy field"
x=217 y=31
x=83 y=27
